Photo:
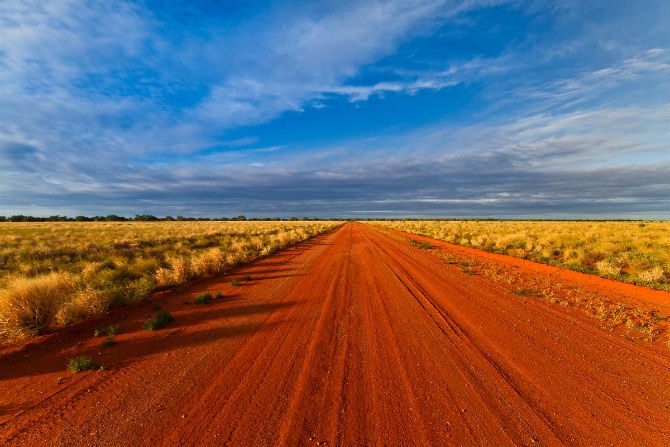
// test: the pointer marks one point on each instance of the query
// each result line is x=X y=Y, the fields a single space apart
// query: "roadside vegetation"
x=55 y=273
x=162 y=319
x=635 y=252
x=203 y=298
x=81 y=363
x=632 y=321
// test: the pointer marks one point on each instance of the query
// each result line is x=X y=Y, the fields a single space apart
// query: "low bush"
x=203 y=298
x=112 y=329
x=81 y=363
x=162 y=319
x=527 y=292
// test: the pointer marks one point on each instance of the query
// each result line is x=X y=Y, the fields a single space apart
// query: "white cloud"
x=412 y=82
x=306 y=57
x=63 y=40
x=69 y=131
x=577 y=90
x=78 y=76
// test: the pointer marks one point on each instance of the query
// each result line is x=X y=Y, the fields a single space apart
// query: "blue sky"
x=349 y=108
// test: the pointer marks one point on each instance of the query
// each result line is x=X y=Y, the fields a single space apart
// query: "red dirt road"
x=353 y=338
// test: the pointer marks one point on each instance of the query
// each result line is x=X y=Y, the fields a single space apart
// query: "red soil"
x=626 y=292
x=353 y=338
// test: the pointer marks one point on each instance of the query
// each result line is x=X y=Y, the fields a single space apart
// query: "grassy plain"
x=635 y=252
x=56 y=273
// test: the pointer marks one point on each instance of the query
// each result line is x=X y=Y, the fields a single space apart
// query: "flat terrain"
x=56 y=273
x=629 y=251
x=352 y=338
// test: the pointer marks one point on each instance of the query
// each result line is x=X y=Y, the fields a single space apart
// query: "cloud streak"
x=524 y=167
x=122 y=117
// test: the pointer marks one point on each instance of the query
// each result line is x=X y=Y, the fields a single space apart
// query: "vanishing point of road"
x=353 y=338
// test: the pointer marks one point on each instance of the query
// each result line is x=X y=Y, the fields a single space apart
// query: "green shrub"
x=163 y=318
x=81 y=363
x=235 y=282
x=246 y=278
x=109 y=341
x=203 y=298
x=527 y=292
x=218 y=295
x=140 y=288
x=112 y=329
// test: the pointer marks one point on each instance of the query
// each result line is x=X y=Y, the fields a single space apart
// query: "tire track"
x=362 y=339
x=416 y=277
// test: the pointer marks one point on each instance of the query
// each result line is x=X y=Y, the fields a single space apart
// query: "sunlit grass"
x=635 y=252
x=55 y=273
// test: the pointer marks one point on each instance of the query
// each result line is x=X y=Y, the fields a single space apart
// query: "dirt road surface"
x=353 y=338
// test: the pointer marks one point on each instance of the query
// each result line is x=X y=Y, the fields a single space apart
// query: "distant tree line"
x=145 y=218
x=151 y=218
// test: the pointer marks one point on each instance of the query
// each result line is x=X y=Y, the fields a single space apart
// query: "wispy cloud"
x=412 y=82
x=103 y=77
x=647 y=66
x=309 y=57
x=102 y=110
x=529 y=166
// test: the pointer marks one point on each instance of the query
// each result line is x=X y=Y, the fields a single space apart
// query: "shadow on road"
x=133 y=342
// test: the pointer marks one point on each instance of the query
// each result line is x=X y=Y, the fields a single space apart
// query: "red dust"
x=352 y=338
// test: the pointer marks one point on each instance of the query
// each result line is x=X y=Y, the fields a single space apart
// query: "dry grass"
x=30 y=305
x=634 y=322
x=56 y=273
x=635 y=252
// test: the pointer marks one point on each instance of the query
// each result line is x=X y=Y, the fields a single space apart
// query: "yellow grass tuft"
x=30 y=305
x=208 y=262
x=652 y=275
x=605 y=268
x=83 y=304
